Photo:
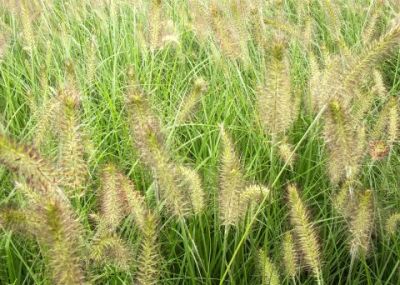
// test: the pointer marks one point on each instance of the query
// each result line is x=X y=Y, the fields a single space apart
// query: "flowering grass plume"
x=234 y=197
x=269 y=272
x=304 y=232
x=275 y=94
x=191 y=100
x=346 y=142
x=149 y=257
x=71 y=160
x=392 y=224
x=361 y=225
x=49 y=215
x=229 y=23
x=179 y=187
x=290 y=258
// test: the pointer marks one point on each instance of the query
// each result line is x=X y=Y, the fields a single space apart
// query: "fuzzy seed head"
x=371 y=55
x=361 y=225
x=274 y=98
x=149 y=256
x=135 y=202
x=289 y=255
x=378 y=150
x=344 y=201
x=191 y=100
x=161 y=30
x=252 y=194
x=346 y=142
x=392 y=224
x=61 y=237
x=146 y=129
x=229 y=24
x=72 y=164
x=231 y=182
x=304 y=232
x=91 y=60
x=27 y=27
x=191 y=181
x=379 y=85
x=111 y=200
x=286 y=153
x=110 y=249
x=25 y=161
x=369 y=30
x=170 y=183
x=18 y=220
x=269 y=272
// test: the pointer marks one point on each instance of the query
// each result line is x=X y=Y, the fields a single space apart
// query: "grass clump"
x=199 y=142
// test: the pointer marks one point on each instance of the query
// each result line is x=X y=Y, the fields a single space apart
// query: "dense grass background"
x=194 y=251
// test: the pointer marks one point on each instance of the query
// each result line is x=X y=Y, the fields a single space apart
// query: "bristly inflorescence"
x=277 y=106
x=304 y=232
x=71 y=160
x=110 y=249
x=289 y=255
x=361 y=225
x=107 y=247
x=49 y=215
x=275 y=94
x=58 y=234
x=26 y=161
x=235 y=196
x=118 y=199
x=232 y=182
x=229 y=23
x=370 y=56
x=62 y=240
x=191 y=101
x=146 y=128
x=149 y=258
x=111 y=200
x=161 y=30
x=179 y=186
x=392 y=224
x=345 y=140
x=269 y=272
